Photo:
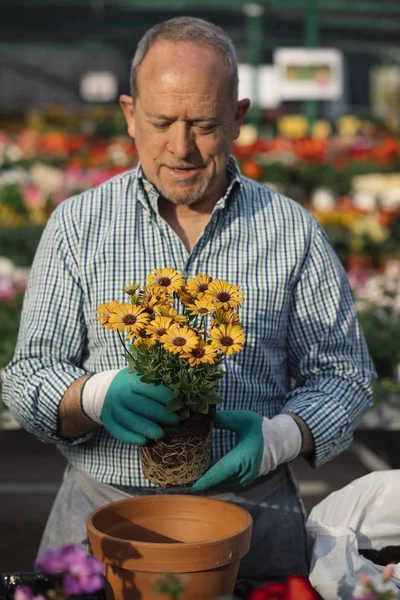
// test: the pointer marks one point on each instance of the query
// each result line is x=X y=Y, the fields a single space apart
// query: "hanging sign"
x=310 y=73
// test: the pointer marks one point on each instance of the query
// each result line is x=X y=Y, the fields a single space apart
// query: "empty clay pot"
x=142 y=538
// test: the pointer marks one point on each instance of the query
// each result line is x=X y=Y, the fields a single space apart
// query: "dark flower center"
x=226 y=341
x=164 y=281
x=202 y=287
x=179 y=341
x=198 y=352
x=130 y=319
x=203 y=311
x=161 y=331
x=224 y=297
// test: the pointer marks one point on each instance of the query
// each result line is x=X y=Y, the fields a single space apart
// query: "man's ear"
x=241 y=110
x=127 y=106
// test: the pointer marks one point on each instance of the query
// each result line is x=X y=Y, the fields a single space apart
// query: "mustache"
x=184 y=167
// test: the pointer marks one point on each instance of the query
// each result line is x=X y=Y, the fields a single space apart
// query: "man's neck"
x=188 y=222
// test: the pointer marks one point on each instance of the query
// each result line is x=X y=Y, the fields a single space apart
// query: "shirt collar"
x=148 y=195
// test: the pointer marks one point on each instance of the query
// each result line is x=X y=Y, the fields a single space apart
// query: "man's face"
x=183 y=120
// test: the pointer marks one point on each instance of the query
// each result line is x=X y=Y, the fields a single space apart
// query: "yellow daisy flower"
x=222 y=317
x=228 y=338
x=185 y=297
x=179 y=339
x=224 y=294
x=130 y=288
x=169 y=311
x=198 y=285
x=200 y=354
x=144 y=343
x=203 y=306
x=154 y=296
x=128 y=317
x=165 y=280
x=158 y=327
x=105 y=310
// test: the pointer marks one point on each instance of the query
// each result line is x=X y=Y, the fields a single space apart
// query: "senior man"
x=304 y=378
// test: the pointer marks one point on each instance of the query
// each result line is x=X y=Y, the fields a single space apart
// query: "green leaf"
x=131 y=364
x=175 y=404
x=202 y=405
x=192 y=402
x=214 y=399
x=148 y=378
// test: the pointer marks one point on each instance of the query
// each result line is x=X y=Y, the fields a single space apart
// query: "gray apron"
x=279 y=540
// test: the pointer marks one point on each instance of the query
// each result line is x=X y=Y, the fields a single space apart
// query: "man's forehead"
x=171 y=61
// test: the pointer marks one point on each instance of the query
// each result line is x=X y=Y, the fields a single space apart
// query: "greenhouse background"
x=324 y=129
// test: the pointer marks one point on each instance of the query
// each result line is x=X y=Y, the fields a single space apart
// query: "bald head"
x=183 y=30
x=177 y=68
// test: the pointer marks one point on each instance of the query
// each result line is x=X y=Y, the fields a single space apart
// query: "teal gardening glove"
x=130 y=410
x=263 y=445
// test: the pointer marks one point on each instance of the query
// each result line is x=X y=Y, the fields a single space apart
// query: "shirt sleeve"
x=328 y=355
x=51 y=337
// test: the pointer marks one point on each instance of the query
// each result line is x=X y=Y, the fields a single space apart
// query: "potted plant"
x=177 y=333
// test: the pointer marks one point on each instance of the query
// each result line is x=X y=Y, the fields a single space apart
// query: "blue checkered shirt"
x=304 y=352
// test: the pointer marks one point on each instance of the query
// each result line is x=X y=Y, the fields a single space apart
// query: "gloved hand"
x=130 y=410
x=263 y=445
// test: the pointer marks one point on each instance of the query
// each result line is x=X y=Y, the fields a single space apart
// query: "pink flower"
x=24 y=592
x=75 y=179
x=98 y=176
x=33 y=197
x=388 y=572
x=6 y=289
x=363 y=579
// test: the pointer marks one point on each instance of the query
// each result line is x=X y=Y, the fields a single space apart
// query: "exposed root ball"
x=182 y=456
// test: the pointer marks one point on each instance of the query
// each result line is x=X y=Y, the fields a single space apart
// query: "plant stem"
x=123 y=343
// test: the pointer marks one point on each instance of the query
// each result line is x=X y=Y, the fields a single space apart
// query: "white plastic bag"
x=364 y=514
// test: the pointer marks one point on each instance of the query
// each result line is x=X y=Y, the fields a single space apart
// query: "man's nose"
x=181 y=142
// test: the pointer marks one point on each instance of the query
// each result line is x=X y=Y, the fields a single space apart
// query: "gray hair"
x=187 y=29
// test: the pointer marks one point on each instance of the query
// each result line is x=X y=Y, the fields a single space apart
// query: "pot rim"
x=176 y=557
x=172 y=545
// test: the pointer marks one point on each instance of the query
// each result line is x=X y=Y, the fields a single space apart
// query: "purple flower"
x=84 y=577
x=50 y=562
x=24 y=592
x=72 y=554
x=82 y=573
x=54 y=561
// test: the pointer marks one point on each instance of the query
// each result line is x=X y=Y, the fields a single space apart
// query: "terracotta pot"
x=140 y=539
x=164 y=466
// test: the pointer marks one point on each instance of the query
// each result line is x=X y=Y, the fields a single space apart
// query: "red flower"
x=271 y=591
x=299 y=588
x=295 y=588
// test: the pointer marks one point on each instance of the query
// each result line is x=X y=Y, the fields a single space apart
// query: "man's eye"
x=206 y=128
x=160 y=125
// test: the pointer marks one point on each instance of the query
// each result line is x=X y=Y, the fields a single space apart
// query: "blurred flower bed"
x=350 y=182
